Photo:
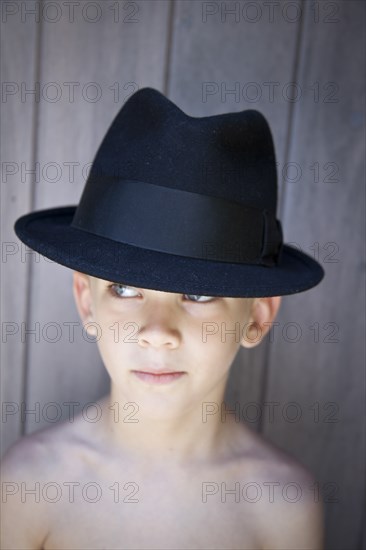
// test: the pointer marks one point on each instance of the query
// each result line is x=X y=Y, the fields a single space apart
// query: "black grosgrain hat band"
x=179 y=222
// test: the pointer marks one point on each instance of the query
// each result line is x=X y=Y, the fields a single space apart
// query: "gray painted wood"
x=19 y=69
x=325 y=378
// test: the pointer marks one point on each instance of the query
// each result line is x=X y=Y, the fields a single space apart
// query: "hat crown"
x=229 y=156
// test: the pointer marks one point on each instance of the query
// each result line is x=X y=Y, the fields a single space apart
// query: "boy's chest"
x=131 y=512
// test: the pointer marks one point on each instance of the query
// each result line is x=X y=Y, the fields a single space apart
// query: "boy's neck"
x=184 y=439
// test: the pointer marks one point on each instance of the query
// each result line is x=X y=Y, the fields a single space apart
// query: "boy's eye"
x=117 y=290
x=205 y=298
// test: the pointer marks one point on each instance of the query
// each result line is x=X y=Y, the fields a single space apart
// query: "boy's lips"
x=158 y=377
x=157 y=372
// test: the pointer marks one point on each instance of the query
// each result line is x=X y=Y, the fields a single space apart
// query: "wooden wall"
x=302 y=65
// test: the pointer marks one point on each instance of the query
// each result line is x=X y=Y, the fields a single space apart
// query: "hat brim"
x=50 y=233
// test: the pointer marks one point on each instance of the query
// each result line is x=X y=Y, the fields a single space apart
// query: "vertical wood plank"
x=19 y=68
x=322 y=373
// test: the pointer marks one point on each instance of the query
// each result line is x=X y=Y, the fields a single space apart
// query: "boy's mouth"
x=158 y=377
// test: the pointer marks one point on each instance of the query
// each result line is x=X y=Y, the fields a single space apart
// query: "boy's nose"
x=158 y=327
x=158 y=335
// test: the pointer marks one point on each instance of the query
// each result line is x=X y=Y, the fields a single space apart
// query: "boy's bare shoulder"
x=24 y=467
x=36 y=459
x=36 y=452
x=47 y=451
x=47 y=455
x=290 y=510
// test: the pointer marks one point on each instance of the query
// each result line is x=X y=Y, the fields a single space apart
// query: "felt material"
x=161 y=185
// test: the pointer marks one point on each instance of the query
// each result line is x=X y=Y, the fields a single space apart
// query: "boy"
x=181 y=258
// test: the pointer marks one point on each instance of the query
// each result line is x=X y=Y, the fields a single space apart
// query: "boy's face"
x=147 y=330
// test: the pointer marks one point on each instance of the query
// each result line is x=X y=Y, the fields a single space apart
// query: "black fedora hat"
x=178 y=204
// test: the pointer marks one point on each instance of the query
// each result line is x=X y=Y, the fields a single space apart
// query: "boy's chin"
x=152 y=403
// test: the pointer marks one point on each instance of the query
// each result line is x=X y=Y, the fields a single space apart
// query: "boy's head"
x=147 y=330
x=178 y=204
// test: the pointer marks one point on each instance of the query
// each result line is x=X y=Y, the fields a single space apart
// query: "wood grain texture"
x=19 y=69
x=323 y=372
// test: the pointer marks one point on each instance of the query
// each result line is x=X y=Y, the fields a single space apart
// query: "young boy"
x=180 y=215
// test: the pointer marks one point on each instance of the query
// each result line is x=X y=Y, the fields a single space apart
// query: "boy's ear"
x=262 y=314
x=82 y=294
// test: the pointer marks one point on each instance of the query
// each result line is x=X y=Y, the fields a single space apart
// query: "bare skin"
x=167 y=480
